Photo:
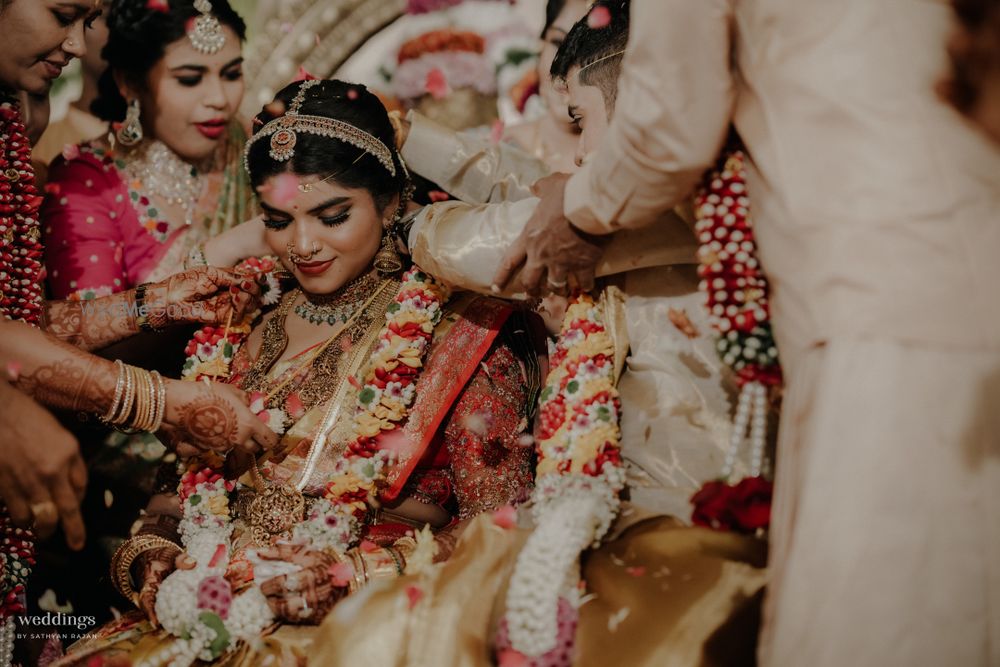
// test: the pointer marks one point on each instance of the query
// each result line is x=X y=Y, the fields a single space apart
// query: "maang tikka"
x=206 y=34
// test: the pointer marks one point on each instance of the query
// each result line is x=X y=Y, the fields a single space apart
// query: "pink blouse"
x=102 y=235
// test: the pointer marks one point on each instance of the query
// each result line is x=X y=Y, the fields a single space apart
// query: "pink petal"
x=158 y=6
x=275 y=108
x=496 y=134
x=368 y=546
x=415 y=594
x=511 y=658
x=599 y=17
x=284 y=190
x=437 y=84
x=71 y=152
x=437 y=195
x=636 y=571
x=341 y=574
x=396 y=442
x=53 y=189
x=220 y=553
x=352 y=94
x=294 y=406
x=13 y=370
x=304 y=75
x=505 y=517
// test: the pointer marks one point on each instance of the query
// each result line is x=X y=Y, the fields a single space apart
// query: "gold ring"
x=46 y=512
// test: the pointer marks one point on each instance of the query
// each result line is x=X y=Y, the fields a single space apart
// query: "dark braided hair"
x=320 y=156
x=137 y=39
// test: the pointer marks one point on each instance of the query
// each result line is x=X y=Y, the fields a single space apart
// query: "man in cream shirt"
x=878 y=219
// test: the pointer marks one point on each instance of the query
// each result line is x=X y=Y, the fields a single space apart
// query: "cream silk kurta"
x=676 y=394
x=878 y=218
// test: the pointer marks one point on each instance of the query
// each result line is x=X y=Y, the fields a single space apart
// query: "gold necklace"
x=276 y=508
x=339 y=307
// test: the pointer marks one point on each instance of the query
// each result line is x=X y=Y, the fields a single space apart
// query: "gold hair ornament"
x=206 y=34
x=283 y=133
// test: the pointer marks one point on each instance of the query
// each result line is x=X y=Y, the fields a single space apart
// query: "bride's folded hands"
x=307 y=595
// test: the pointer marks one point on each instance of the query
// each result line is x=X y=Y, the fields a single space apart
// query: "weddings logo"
x=58 y=619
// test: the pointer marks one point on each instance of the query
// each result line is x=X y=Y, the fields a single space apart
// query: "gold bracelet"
x=119 y=390
x=149 y=396
x=142 y=392
x=360 y=570
x=160 y=401
x=125 y=555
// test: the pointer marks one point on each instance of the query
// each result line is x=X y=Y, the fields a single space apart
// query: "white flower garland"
x=579 y=478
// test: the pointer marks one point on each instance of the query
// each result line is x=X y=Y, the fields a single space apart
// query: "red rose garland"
x=737 y=299
x=21 y=276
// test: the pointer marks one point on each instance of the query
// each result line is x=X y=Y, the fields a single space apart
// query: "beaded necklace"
x=21 y=276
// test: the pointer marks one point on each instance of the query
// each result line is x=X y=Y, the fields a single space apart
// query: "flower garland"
x=21 y=277
x=199 y=605
x=737 y=298
x=579 y=477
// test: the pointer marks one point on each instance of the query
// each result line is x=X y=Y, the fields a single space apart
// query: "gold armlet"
x=121 y=562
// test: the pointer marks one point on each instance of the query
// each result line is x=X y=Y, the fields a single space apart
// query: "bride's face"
x=331 y=232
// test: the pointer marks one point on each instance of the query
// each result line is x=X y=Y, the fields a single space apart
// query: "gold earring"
x=387 y=260
x=130 y=132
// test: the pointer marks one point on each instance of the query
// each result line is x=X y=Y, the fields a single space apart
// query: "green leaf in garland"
x=604 y=414
x=573 y=387
x=222 y=637
x=194 y=499
x=366 y=396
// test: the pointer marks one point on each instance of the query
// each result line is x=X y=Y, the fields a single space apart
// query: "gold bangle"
x=160 y=402
x=119 y=390
x=125 y=555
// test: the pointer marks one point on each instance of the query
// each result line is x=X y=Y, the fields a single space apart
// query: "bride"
x=399 y=409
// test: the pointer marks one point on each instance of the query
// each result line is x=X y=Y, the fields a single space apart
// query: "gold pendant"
x=274 y=512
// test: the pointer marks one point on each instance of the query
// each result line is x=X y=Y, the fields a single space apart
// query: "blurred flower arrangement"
x=463 y=64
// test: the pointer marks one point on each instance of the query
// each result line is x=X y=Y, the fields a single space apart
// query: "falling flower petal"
x=438 y=195
x=635 y=571
x=341 y=574
x=346 y=344
x=616 y=618
x=257 y=402
x=496 y=133
x=599 y=17
x=109 y=498
x=352 y=93
x=293 y=404
x=70 y=152
x=13 y=370
x=368 y=546
x=53 y=189
x=49 y=602
x=511 y=658
x=304 y=75
x=284 y=190
x=275 y=108
x=505 y=517
x=354 y=382
x=477 y=423
x=437 y=84
x=158 y=6
x=414 y=594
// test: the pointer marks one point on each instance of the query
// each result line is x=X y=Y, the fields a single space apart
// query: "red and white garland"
x=578 y=479
x=199 y=604
x=21 y=279
x=736 y=293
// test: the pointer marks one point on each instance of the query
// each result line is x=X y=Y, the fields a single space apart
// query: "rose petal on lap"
x=341 y=574
x=505 y=517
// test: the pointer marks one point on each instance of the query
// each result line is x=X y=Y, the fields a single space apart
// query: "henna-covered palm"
x=154 y=565
x=306 y=596
x=206 y=294
x=212 y=416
